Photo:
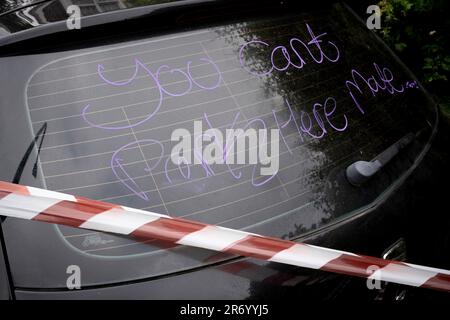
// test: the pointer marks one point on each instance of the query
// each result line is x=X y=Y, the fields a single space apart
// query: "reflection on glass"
x=51 y=11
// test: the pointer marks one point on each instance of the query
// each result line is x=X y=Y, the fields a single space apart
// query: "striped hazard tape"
x=43 y=205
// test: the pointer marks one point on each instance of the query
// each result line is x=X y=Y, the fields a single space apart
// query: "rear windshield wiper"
x=360 y=171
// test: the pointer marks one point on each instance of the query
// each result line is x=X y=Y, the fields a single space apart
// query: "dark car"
x=89 y=111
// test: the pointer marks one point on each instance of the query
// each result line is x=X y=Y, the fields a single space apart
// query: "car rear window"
x=333 y=91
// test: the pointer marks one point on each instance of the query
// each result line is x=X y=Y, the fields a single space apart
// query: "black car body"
x=61 y=127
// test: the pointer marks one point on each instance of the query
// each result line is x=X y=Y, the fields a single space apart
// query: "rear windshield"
x=334 y=94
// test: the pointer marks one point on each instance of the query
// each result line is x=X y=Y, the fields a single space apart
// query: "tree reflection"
x=305 y=82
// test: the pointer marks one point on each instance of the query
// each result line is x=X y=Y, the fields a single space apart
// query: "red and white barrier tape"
x=43 y=205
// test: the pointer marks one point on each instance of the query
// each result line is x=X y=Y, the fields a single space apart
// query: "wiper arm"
x=361 y=171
